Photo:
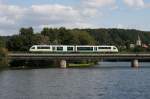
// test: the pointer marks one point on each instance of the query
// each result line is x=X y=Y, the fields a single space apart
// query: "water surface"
x=105 y=81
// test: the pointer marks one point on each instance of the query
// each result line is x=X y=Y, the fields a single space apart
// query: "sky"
x=126 y=14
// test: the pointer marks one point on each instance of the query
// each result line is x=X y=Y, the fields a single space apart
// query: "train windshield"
x=33 y=47
x=114 y=48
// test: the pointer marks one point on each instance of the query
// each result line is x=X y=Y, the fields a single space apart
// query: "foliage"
x=51 y=33
x=120 y=37
x=24 y=42
x=2 y=42
x=138 y=49
x=3 y=57
x=81 y=38
x=40 y=39
x=67 y=37
x=26 y=31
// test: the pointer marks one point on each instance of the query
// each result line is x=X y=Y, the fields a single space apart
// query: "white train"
x=73 y=48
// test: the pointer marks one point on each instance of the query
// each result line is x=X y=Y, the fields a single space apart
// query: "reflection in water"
x=100 y=82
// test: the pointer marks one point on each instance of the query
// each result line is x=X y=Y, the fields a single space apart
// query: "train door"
x=64 y=48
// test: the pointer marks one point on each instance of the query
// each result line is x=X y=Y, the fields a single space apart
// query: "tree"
x=51 y=33
x=26 y=31
x=2 y=42
x=16 y=43
x=82 y=38
x=3 y=53
x=139 y=49
x=3 y=57
x=64 y=36
x=40 y=39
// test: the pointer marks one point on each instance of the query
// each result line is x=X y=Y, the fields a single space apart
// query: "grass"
x=81 y=65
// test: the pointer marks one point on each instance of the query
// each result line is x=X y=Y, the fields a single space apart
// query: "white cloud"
x=4 y=20
x=132 y=26
x=54 y=15
x=56 y=12
x=11 y=11
x=37 y=15
x=136 y=3
x=13 y=17
x=99 y=3
x=120 y=26
x=91 y=13
x=68 y=25
x=93 y=8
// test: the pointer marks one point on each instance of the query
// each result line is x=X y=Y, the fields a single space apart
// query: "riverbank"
x=70 y=65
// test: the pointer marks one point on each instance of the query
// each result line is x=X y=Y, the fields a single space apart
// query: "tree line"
x=3 y=54
x=118 y=37
x=26 y=38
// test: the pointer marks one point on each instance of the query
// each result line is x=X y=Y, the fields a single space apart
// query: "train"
x=74 y=48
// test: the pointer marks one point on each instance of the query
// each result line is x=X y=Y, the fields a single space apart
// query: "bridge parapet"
x=78 y=56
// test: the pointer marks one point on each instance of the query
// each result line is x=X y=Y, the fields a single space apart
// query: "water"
x=104 y=81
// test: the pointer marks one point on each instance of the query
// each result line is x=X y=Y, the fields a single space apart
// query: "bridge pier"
x=63 y=63
x=135 y=63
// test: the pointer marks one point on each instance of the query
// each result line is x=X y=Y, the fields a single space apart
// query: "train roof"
x=73 y=45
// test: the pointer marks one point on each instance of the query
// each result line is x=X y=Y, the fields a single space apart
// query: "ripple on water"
x=90 y=83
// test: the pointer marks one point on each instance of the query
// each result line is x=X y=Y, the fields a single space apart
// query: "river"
x=107 y=80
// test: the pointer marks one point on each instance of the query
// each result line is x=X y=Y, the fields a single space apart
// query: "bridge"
x=63 y=58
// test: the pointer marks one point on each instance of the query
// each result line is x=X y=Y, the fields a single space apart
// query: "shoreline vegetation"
x=3 y=58
x=21 y=42
x=81 y=65
x=49 y=64
x=70 y=65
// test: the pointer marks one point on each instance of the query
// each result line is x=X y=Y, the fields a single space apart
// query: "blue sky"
x=127 y=14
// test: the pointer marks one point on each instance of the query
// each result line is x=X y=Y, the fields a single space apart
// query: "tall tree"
x=26 y=31
x=82 y=38
x=40 y=39
x=2 y=42
x=51 y=33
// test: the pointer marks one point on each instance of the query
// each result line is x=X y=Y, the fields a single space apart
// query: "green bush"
x=139 y=49
x=3 y=57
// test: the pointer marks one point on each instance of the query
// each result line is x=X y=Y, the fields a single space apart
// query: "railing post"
x=135 y=63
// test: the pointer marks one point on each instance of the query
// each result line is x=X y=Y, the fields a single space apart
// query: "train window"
x=114 y=48
x=60 y=48
x=43 y=47
x=104 y=47
x=85 y=48
x=95 y=48
x=100 y=47
x=70 y=48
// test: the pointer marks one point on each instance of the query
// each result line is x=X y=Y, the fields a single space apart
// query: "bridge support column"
x=63 y=64
x=135 y=63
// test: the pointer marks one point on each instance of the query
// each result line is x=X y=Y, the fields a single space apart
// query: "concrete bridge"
x=63 y=58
